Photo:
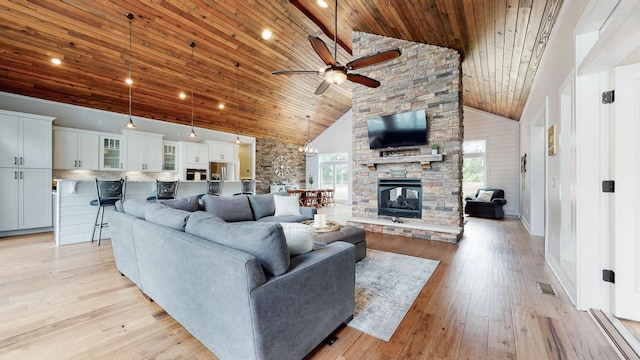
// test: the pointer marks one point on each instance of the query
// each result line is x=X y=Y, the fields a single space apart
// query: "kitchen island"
x=74 y=216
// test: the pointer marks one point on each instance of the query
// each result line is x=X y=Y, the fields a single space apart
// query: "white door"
x=627 y=193
x=8 y=141
x=36 y=143
x=134 y=152
x=9 y=204
x=153 y=152
x=35 y=198
x=88 y=151
x=65 y=150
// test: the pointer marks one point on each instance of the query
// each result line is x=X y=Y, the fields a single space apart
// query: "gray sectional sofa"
x=233 y=285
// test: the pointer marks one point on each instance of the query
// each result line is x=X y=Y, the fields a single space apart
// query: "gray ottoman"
x=347 y=233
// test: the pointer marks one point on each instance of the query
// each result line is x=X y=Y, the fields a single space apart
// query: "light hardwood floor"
x=481 y=303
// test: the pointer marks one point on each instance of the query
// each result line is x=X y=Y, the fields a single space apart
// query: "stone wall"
x=267 y=151
x=423 y=77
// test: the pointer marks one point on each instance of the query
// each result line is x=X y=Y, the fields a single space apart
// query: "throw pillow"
x=262 y=205
x=484 y=195
x=286 y=205
x=299 y=237
x=157 y=213
x=187 y=204
x=264 y=241
x=228 y=208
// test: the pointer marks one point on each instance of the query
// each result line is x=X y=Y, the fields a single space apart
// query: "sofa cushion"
x=484 y=195
x=264 y=241
x=228 y=208
x=134 y=207
x=284 y=218
x=187 y=203
x=262 y=205
x=299 y=237
x=286 y=205
x=160 y=214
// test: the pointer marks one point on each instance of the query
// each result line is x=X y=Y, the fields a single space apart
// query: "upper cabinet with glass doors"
x=110 y=152
x=169 y=159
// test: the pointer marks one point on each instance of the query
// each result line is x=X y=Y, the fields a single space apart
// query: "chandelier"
x=308 y=148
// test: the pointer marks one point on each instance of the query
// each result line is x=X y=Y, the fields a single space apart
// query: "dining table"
x=312 y=197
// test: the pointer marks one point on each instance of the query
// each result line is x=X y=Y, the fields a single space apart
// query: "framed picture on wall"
x=552 y=140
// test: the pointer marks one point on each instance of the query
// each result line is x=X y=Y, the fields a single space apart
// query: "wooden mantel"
x=424 y=160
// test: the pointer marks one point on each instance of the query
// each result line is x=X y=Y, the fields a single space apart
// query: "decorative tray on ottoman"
x=331 y=226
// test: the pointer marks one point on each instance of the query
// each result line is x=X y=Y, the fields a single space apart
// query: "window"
x=473 y=167
x=334 y=174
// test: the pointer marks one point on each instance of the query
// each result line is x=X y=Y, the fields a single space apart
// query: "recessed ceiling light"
x=323 y=3
x=56 y=61
x=221 y=106
x=266 y=34
x=129 y=81
x=182 y=95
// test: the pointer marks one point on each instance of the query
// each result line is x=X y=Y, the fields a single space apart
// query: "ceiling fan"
x=335 y=73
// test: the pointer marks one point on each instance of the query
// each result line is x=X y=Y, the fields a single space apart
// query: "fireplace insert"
x=400 y=197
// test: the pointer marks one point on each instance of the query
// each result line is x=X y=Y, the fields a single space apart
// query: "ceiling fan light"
x=335 y=77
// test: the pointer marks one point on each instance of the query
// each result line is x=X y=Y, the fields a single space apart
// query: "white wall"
x=502 y=156
x=335 y=139
x=555 y=67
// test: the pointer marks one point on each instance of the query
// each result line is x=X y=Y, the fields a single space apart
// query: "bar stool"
x=109 y=192
x=214 y=187
x=248 y=187
x=165 y=190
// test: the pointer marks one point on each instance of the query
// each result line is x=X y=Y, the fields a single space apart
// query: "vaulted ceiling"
x=500 y=42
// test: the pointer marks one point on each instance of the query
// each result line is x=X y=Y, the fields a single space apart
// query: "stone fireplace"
x=423 y=77
x=400 y=197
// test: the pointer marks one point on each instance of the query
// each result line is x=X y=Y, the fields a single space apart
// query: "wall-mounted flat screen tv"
x=408 y=129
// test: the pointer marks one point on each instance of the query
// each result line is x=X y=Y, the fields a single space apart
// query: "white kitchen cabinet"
x=143 y=151
x=222 y=151
x=75 y=150
x=24 y=141
x=194 y=154
x=111 y=152
x=169 y=156
x=25 y=171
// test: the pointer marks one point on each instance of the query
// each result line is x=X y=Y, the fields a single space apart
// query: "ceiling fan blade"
x=294 y=72
x=322 y=50
x=373 y=59
x=361 y=79
x=323 y=87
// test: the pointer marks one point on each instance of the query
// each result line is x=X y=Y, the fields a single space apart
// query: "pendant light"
x=308 y=146
x=193 y=132
x=237 y=65
x=129 y=80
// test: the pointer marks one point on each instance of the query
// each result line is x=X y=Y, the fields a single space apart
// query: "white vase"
x=434 y=151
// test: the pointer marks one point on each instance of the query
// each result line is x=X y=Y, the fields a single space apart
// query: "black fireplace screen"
x=400 y=197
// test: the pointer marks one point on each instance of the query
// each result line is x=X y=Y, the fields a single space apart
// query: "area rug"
x=387 y=284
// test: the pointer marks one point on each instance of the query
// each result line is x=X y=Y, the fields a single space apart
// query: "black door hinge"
x=608 y=276
x=608 y=97
x=608 y=186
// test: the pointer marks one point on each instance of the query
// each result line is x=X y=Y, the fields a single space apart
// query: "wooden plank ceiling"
x=501 y=42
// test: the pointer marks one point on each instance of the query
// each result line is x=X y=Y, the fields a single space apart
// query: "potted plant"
x=310 y=180
x=434 y=149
